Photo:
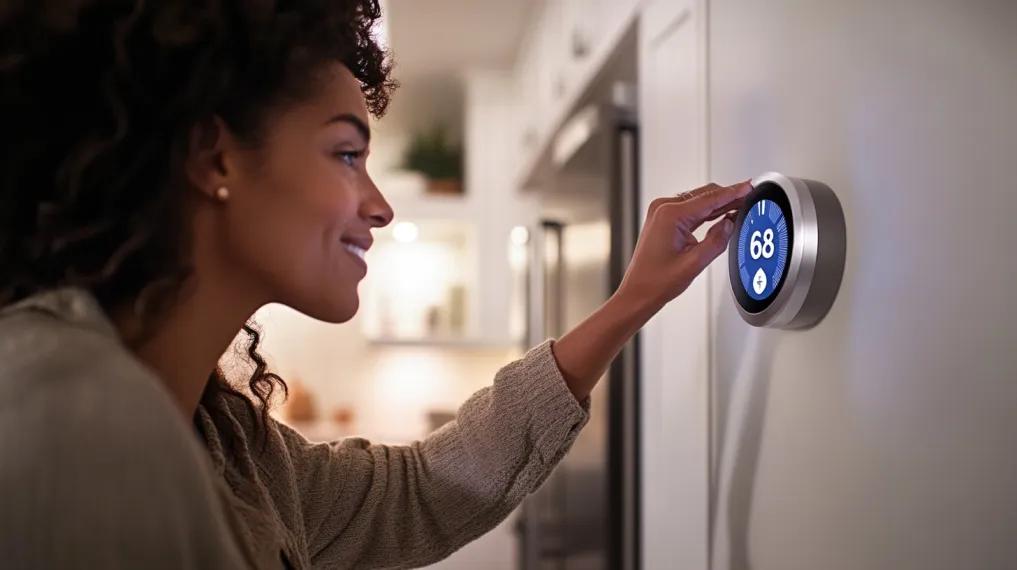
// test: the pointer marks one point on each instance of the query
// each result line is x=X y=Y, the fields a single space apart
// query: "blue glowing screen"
x=763 y=249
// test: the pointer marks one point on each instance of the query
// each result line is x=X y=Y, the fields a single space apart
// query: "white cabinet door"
x=676 y=401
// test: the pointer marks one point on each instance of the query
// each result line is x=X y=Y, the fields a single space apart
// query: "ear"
x=210 y=159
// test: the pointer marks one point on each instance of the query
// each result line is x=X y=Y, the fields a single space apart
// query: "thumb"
x=715 y=242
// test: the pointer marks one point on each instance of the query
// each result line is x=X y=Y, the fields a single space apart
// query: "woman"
x=168 y=168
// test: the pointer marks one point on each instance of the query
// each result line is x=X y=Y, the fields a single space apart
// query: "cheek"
x=297 y=212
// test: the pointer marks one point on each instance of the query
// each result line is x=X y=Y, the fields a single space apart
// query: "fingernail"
x=728 y=225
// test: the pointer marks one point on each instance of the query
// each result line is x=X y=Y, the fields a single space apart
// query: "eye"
x=350 y=157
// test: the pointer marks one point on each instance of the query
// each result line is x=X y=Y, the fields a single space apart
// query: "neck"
x=211 y=308
x=192 y=337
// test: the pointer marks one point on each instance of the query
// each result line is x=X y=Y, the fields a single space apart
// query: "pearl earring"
x=222 y=193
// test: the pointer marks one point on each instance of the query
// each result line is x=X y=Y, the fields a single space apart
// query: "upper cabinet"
x=568 y=42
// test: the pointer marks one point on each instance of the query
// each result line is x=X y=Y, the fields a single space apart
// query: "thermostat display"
x=763 y=246
x=787 y=252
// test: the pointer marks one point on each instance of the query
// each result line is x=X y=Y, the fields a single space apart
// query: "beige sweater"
x=99 y=470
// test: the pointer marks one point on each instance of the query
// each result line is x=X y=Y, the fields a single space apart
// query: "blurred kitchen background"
x=519 y=156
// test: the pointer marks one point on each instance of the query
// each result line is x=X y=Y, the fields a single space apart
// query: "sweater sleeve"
x=377 y=506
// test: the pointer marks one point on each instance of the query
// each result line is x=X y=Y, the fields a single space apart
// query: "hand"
x=668 y=257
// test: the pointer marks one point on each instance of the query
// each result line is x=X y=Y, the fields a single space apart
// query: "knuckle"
x=670 y=209
x=656 y=205
x=664 y=208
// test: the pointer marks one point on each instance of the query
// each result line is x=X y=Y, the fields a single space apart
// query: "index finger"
x=715 y=201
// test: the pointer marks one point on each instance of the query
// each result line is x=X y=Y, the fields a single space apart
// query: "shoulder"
x=74 y=383
x=233 y=424
x=289 y=462
x=96 y=457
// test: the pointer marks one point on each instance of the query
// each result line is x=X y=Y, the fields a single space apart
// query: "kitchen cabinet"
x=569 y=42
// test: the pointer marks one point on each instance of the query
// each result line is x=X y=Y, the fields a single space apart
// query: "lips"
x=357 y=246
x=355 y=249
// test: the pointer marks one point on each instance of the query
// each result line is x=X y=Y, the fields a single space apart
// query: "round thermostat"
x=786 y=256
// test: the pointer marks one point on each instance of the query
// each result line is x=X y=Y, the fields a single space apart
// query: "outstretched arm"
x=371 y=506
x=666 y=261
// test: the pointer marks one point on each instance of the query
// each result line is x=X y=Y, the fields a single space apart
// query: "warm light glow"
x=405 y=232
x=409 y=282
x=419 y=286
x=520 y=235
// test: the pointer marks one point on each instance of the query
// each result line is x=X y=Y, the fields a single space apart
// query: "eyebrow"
x=354 y=120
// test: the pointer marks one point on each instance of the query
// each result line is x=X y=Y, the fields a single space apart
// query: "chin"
x=339 y=309
x=342 y=314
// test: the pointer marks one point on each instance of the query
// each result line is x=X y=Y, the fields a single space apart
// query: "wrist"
x=636 y=305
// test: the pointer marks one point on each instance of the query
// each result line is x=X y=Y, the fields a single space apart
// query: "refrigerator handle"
x=624 y=372
x=539 y=526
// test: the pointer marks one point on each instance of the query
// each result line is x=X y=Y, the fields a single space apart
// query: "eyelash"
x=349 y=156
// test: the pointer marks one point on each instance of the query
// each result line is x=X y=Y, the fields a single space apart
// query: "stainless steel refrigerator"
x=585 y=515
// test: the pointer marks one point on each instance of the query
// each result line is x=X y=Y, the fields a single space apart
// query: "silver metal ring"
x=816 y=260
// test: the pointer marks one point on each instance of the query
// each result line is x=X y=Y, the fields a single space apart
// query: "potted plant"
x=435 y=156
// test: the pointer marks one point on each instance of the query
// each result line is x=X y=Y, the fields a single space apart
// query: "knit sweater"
x=98 y=469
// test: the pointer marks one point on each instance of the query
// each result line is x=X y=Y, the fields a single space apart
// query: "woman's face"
x=301 y=205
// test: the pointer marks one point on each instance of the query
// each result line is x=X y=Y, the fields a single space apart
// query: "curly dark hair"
x=98 y=98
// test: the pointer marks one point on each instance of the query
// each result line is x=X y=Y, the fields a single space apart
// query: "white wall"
x=886 y=437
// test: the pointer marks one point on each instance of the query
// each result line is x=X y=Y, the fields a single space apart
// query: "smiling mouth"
x=355 y=250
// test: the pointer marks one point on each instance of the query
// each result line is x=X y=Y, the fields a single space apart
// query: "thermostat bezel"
x=816 y=254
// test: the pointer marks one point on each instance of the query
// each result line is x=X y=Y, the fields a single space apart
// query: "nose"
x=375 y=209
